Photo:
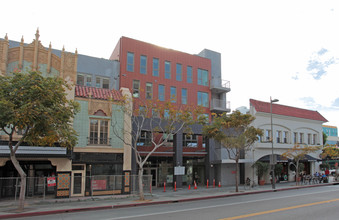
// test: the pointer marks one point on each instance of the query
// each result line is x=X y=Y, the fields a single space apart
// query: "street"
x=307 y=203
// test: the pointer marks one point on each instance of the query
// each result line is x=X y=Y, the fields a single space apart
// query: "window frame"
x=167 y=72
x=161 y=92
x=130 y=66
x=201 y=97
x=136 y=90
x=149 y=91
x=143 y=67
x=189 y=76
x=178 y=71
x=184 y=97
x=173 y=97
x=156 y=66
x=99 y=140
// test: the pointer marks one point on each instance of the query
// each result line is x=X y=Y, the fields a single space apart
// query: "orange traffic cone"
x=195 y=185
x=189 y=187
x=219 y=184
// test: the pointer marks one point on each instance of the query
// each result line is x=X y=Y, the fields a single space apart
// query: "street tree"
x=156 y=123
x=298 y=153
x=37 y=107
x=236 y=135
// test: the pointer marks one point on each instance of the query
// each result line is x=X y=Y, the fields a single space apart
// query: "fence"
x=46 y=187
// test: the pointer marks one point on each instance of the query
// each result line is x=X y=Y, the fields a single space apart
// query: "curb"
x=30 y=214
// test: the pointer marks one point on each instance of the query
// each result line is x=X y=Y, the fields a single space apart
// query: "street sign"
x=179 y=170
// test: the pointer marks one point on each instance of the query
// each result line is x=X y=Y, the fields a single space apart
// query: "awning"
x=280 y=158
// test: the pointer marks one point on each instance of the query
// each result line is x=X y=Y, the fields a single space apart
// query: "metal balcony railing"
x=220 y=85
x=220 y=105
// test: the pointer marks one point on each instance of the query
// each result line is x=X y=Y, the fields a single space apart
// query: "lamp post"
x=272 y=157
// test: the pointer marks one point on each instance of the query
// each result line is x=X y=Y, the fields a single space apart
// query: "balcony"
x=220 y=86
x=220 y=106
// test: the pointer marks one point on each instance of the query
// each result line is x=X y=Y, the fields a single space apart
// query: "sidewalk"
x=37 y=206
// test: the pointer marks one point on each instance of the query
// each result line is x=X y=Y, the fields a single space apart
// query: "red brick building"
x=156 y=73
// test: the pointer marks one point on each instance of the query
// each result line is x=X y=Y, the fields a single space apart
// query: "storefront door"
x=78 y=182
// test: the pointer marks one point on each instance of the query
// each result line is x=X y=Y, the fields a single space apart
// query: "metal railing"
x=220 y=104
x=46 y=187
x=220 y=83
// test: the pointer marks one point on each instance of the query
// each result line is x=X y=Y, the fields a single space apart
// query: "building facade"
x=98 y=152
x=155 y=73
x=291 y=126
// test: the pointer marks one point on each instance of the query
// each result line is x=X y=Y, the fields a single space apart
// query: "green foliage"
x=233 y=131
x=324 y=166
x=261 y=168
x=39 y=107
x=330 y=152
x=324 y=138
x=278 y=168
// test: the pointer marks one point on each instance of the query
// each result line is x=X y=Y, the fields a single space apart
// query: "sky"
x=284 y=49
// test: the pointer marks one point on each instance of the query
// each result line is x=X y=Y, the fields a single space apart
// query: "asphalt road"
x=308 y=203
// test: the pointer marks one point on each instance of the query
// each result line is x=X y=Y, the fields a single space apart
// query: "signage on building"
x=99 y=184
x=51 y=181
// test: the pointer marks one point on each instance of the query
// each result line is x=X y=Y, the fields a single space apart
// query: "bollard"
x=189 y=186
x=175 y=186
x=164 y=186
x=207 y=184
x=213 y=183
x=195 y=185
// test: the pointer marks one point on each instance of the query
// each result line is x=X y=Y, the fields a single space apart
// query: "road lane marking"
x=279 y=210
x=214 y=206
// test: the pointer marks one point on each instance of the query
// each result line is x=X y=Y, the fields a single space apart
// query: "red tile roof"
x=97 y=93
x=286 y=110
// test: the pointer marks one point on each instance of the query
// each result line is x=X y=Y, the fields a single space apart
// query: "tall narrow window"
x=130 y=62
x=149 y=91
x=98 y=132
x=167 y=70
x=268 y=135
x=301 y=138
x=309 y=138
x=189 y=74
x=161 y=93
x=314 y=139
x=155 y=67
x=203 y=99
x=143 y=64
x=136 y=88
x=295 y=137
x=285 y=136
x=173 y=94
x=202 y=77
x=278 y=136
x=179 y=72
x=184 y=96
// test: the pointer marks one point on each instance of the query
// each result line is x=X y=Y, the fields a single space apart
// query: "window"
x=203 y=99
x=301 y=140
x=179 y=72
x=155 y=67
x=285 y=136
x=189 y=74
x=161 y=92
x=309 y=138
x=184 y=96
x=169 y=139
x=295 y=137
x=167 y=70
x=142 y=111
x=84 y=80
x=173 y=94
x=314 y=139
x=136 y=88
x=98 y=132
x=101 y=82
x=202 y=77
x=143 y=64
x=130 y=62
x=149 y=91
x=278 y=136
x=268 y=135
x=190 y=140
x=144 y=138
x=260 y=137
x=204 y=140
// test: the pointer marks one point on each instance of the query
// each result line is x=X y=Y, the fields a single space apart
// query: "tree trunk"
x=141 y=187
x=297 y=174
x=23 y=182
x=236 y=176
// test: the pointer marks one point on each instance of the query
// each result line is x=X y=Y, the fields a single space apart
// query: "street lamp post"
x=272 y=157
